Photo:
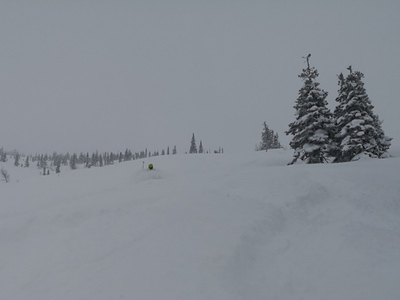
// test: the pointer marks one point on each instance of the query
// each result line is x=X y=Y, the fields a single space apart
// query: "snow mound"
x=203 y=227
x=147 y=174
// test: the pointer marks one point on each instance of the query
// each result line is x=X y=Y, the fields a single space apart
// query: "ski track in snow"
x=268 y=244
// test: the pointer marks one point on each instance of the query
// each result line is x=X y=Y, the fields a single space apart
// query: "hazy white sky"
x=109 y=75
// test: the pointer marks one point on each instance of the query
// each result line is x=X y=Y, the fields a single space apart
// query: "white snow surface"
x=203 y=227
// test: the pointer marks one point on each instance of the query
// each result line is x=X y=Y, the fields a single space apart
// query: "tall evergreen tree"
x=3 y=155
x=112 y=158
x=193 y=146
x=58 y=166
x=358 y=129
x=42 y=162
x=16 y=161
x=265 y=138
x=384 y=142
x=66 y=158
x=95 y=158
x=106 y=157
x=269 y=140
x=73 y=161
x=174 y=151
x=128 y=155
x=87 y=160
x=312 y=128
x=82 y=158
x=275 y=141
x=201 y=150
x=27 y=162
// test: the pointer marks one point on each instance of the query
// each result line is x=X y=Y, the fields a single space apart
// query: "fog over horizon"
x=81 y=76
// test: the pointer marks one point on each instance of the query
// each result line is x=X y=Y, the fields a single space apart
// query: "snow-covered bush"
x=5 y=176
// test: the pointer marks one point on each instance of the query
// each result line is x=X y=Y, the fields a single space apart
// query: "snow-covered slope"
x=203 y=227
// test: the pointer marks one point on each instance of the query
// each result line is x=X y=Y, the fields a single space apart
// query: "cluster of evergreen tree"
x=193 y=147
x=352 y=130
x=269 y=139
x=47 y=163
x=108 y=158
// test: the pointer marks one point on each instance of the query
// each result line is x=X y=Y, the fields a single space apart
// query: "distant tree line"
x=193 y=147
x=53 y=162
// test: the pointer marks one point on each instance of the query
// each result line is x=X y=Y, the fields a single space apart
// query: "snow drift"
x=203 y=227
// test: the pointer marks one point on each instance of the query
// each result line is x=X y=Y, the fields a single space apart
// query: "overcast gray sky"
x=109 y=75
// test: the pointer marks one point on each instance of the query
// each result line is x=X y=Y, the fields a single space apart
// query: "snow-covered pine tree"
x=3 y=155
x=174 y=151
x=27 y=162
x=127 y=155
x=42 y=163
x=266 y=138
x=58 y=166
x=312 y=128
x=193 y=147
x=73 y=161
x=112 y=157
x=81 y=158
x=201 y=150
x=66 y=158
x=269 y=139
x=358 y=130
x=95 y=158
x=16 y=159
x=384 y=141
x=275 y=141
